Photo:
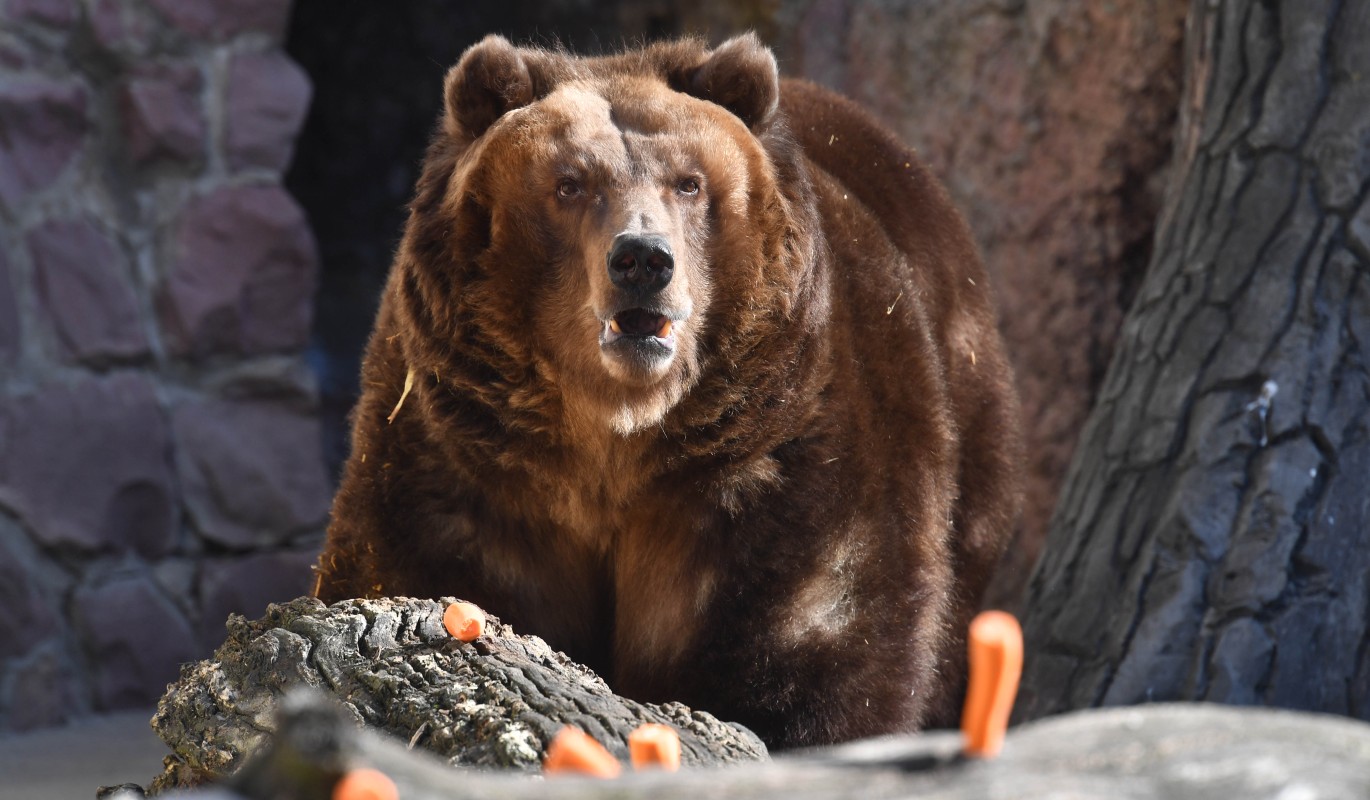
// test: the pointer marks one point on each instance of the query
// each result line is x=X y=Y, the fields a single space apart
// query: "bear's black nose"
x=641 y=262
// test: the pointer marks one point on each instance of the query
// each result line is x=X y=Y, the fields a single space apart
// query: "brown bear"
x=692 y=372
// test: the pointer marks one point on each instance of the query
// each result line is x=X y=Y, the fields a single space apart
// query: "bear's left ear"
x=741 y=75
x=490 y=80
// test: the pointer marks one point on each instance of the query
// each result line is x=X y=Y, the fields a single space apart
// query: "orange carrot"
x=574 y=751
x=654 y=745
x=365 y=784
x=464 y=620
x=996 y=663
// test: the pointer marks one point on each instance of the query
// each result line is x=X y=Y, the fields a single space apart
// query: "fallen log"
x=1158 y=752
x=494 y=702
x=394 y=692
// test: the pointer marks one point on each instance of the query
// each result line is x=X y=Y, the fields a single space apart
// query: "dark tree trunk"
x=1213 y=538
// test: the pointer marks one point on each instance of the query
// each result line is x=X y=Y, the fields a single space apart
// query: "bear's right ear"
x=490 y=80
x=741 y=75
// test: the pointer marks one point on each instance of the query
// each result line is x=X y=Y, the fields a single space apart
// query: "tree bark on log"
x=496 y=702
x=1213 y=538
x=1191 y=752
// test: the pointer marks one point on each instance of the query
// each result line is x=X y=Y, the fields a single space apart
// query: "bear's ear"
x=490 y=80
x=740 y=75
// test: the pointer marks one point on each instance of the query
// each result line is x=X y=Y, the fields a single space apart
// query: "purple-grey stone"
x=252 y=471
x=9 y=315
x=135 y=639
x=246 y=584
x=86 y=465
x=268 y=95
x=162 y=114
x=243 y=276
x=55 y=13
x=222 y=19
x=42 y=128
x=86 y=287
x=26 y=615
x=45 y=690
x=122 y=28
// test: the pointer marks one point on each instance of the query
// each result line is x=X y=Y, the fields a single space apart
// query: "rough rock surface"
x=133 y=635
x=496 y=702
x=163 y=115
x=87 y=290
x=236 y=497
x=110 y=492
x=243 y=274
x=42 y=128
x=267 y=98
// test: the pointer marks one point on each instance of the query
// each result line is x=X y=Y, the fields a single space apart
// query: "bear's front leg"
x=807 y=635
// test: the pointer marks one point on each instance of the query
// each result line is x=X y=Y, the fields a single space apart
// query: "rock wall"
x=160 y=458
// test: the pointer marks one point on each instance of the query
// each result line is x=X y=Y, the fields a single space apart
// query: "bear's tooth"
x=665 y=330
x=613 y=326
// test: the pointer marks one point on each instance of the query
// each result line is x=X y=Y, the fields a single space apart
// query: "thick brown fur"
x=788 y=522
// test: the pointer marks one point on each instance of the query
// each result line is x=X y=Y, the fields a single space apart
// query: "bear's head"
x=609 y=229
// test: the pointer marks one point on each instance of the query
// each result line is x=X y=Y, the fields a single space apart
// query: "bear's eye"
x=568 y=188
x=687 y=186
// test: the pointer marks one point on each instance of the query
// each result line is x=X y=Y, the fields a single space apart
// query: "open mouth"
x=641 y=338
x=639 y=324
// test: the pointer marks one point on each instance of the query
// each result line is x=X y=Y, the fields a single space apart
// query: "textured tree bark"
x=496 y=702
x=1213 y=538
x=1187 y=752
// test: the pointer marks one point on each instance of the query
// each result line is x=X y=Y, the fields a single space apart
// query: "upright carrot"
x=996 y=664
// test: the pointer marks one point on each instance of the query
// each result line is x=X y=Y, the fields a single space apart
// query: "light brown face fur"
x=593 y=162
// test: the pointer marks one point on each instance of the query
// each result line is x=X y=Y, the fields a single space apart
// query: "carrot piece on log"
x=464 y=620
x=574 y=751
x=653 y=745
x=996 y=664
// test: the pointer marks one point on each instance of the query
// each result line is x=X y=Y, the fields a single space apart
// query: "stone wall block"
x=10 y=329
x=268 y=95
x=125 y=29
x=218 y=20
x=85 y=286
x=252 y=471
x=163 y=116
x=53 y=13
x=243 y=274
x=45 y=689
x=245 y=585
x=86 y=466
x=42 y=128
x=26 y=617
x=135 y=640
